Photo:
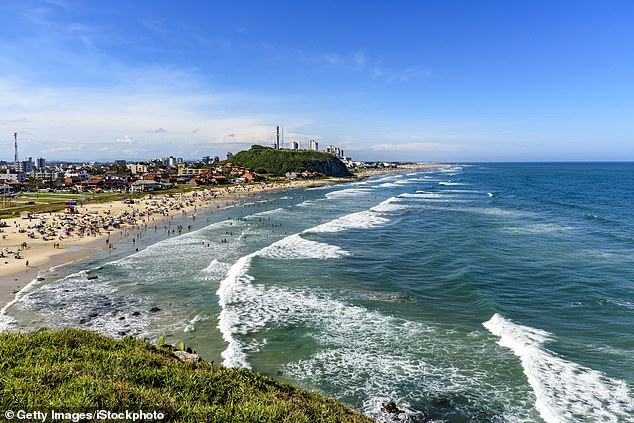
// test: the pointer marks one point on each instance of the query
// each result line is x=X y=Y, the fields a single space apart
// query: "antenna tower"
x=15 y=136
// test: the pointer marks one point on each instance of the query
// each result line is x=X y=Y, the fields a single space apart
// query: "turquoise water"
x=477 y=293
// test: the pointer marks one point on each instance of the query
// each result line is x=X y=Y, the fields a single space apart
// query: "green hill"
x=279 y=162
x=75 y=371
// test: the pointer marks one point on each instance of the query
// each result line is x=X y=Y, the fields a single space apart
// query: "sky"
x=426 y=80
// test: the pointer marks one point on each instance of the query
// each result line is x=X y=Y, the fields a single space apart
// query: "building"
x=40 y=163
x=75 y=173
x=12 y=177
x=25 y=166
x=144 y=186
x=313 y=145
x=336 y=151
x=294 y=145
x=46 y=174
x=137 y=169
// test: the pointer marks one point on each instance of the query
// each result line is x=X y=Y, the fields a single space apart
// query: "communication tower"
x=15 y=158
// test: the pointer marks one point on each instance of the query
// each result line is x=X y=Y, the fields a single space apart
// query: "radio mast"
x=15 y=136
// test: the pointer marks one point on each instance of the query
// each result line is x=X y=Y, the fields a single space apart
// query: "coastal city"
x=30 y=174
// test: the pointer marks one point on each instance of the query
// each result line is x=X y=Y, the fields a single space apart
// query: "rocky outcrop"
x=334 y=167
x=186 y=357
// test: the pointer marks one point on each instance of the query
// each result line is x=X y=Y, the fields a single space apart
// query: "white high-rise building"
x=314 y=145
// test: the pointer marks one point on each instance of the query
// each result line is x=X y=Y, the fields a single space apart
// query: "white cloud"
x=126 y=140
x=359 y=61
x=417 y=147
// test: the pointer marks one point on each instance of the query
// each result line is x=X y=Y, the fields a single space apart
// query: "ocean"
x=473 y=293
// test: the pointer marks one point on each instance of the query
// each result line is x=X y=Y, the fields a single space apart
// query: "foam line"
x=563 y=389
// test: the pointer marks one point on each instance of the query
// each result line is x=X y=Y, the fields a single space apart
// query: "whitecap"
x=360 y=220
x=348 y=193
x=564 y=390
x=390 y=205
x=296 y=247
x=216 y=269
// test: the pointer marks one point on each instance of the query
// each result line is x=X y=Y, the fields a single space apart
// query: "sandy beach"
x=29 y=247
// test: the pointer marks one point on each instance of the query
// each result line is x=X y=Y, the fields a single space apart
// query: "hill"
x=279 y=162
x=78 y=371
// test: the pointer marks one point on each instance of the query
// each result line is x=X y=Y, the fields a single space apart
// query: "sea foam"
x=564 y=390
x=360 y=220
x=296 y=247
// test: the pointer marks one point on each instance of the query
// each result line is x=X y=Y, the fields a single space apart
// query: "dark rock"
x=390 y=407
x=91 y=277
x=442 y=402
x=136 y=313
x=40 y=279
x=122 y=318
x=155 y=310
x=92 y=314
x=82 y=321
x=122 y=333
x=189 y=350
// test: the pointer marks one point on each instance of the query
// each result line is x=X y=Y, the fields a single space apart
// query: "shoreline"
x=40 y=255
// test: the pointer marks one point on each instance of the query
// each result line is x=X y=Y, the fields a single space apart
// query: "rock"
x=122 y=318
x=189 y=350
x=40 y=278
x=136 y=313
x=82 y=321
x=91 y=277
x=122 y=333
x=391 y=408
x=186 y=357
x=443 y=402
x=155 y=310
x=92 y=314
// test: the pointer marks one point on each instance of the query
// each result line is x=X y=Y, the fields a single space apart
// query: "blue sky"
x=428 y=80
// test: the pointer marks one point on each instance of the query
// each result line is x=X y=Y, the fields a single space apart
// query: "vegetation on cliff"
x=79 y=371
x=279 y=162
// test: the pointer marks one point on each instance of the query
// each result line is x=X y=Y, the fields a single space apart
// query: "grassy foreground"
x=74 y=370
